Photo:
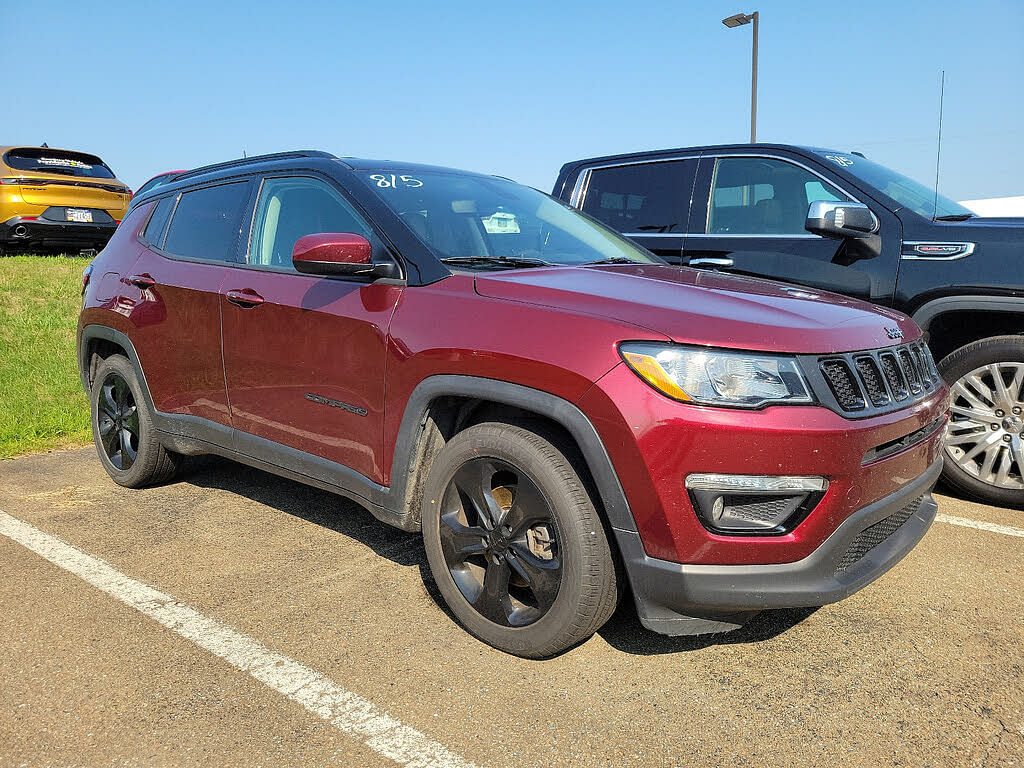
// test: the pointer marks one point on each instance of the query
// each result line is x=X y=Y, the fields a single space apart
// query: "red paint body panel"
x=700 y=307
x=176 y=335
x=314 y=336
x=655 y=442
x=447 y=328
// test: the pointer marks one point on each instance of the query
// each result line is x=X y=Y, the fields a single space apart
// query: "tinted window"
x=761 y=196
x=206 y=222
x=291 y=208
x=154 y=233
x=57 y=161
x=649 y=197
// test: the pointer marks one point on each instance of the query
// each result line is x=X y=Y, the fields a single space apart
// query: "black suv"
x=840 y=222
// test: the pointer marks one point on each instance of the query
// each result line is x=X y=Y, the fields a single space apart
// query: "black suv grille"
x=875 y=534
x=879 y=378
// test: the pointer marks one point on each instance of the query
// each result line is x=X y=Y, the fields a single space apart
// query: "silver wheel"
x=986 y=421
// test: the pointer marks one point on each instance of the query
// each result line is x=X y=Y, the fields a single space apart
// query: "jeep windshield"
x=480 y=222
x=905 y=191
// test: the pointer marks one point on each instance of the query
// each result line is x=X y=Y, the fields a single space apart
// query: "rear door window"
x=154 y=233
x=207 y=223
x=643 y=198
x=44 y=160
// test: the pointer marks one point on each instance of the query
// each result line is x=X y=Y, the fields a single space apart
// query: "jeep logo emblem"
x=894 y=333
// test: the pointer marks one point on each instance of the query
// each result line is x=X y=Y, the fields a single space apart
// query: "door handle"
x=246 y=298
x=144 y=280
x=710 y=262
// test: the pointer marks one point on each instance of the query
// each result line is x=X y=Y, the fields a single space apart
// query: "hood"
x=698 y=307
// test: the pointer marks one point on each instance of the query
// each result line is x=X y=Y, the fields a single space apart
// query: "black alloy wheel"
x=514 y=542
x=118 y=421
x=500 y=542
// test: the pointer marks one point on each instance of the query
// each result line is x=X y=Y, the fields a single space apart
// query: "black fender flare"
x=927 y=312
x=555 y=408
x=106 y=333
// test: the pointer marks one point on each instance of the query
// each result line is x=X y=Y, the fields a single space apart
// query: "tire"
x=122 y=428
x=984 y=451
x=525 y=565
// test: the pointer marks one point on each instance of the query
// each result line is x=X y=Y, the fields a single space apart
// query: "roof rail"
x=254 y=159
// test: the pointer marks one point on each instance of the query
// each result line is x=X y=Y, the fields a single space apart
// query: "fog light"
x=753 y=504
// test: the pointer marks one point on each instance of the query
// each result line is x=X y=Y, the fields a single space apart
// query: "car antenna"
x=45 y=145
x=938 y=145
x=243 y=153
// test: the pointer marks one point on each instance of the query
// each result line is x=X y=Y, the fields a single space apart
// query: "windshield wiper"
x=956 y=217
x=512 y=262
x=614 y=260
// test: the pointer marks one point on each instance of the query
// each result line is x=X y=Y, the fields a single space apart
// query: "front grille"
x=894 y=376
x=872 y=378
x=880 y=379
x=843 y=384
x=873 y=535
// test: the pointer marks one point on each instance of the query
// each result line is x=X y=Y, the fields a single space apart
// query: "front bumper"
x=45 y=233
x=680 y=599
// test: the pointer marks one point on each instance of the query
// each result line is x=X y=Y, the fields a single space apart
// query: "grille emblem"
x=894 y=333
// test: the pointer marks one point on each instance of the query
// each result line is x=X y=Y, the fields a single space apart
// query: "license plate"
x=77 y=214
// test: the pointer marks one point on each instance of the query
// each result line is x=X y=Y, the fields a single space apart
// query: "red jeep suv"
x=558 y=411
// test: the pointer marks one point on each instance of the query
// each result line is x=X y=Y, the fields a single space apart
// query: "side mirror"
x=831 y=219
x=339 y=253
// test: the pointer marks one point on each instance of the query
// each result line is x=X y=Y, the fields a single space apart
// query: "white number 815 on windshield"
x=390 y=181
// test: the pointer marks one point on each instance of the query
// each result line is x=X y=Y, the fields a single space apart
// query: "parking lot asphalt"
x=922 y=668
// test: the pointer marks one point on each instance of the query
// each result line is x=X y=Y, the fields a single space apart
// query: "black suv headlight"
x=717 y=377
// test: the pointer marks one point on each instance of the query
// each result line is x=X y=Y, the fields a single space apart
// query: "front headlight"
x=714 y=377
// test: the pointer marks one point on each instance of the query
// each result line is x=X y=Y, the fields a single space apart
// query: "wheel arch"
x=951 y=322
x=441 y=406
x=96 y=343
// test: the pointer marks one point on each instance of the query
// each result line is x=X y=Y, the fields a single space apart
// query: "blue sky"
x=517 y=88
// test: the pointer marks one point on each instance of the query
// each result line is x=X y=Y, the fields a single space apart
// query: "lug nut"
x=995 y=427
x=1006 y=438
x=1000 y=414
x=1016 y=410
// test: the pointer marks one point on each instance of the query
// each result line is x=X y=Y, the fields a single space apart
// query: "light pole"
x=738 y=21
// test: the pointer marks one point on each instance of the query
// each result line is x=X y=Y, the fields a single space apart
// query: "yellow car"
x=57 y=200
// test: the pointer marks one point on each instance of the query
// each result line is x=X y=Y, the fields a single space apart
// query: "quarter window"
x=762 y=196
x=154 y=234
x=207 y=221
x=293 y=207
x=646 y=197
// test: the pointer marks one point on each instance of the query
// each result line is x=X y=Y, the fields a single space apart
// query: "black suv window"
x=293 y=207
x=646 y=197
x=154 y=234
x=762 y=196
x=206 y=222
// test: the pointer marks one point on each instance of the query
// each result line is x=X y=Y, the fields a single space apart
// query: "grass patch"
x=42 y=404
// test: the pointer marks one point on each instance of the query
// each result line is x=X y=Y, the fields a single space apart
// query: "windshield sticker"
x=839 y=160
x=391 y=181
x=63 y=162
x=501 y=223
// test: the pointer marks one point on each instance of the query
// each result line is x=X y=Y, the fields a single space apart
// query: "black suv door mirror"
x=832 y=219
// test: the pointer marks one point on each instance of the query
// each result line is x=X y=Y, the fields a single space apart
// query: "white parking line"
x=324 y=698
x=1007 y=530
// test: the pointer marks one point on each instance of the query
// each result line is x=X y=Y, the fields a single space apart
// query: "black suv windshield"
x=905 y=191
x=57 y=161
x=480 y=222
